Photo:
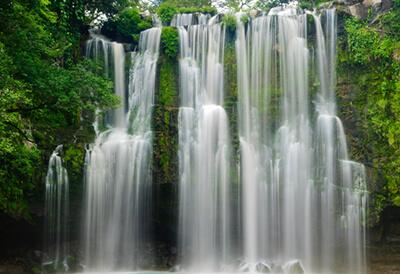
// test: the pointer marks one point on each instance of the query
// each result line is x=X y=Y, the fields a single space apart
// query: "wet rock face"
x=360 y=8
x=293 y=267
x=378 y=5
x=263 y=268
x=348 y=2
x=359 y=11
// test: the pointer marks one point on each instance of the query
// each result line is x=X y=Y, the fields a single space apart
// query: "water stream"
x=204 y=145
x=56 y=229
x=302 y=200
x=118 y=178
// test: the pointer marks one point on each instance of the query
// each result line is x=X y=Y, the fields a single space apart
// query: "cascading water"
x=118 y=177
x=303 y=200
x=204 y=145
x=113 y=55
x=56 y=234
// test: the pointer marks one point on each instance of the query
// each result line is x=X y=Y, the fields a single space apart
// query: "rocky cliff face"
x=361 y=9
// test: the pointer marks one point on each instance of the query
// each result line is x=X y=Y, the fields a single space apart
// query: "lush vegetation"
x=48 y=94
x=370 y=58
x=127 y=25
x=170 y=42
x=169 y=8
x=165 y=117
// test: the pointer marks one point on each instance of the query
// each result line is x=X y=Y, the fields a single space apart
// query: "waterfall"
x=204 y=145
x=56 y=234
x=303 y=199
x=118 y=165
x=113 y=56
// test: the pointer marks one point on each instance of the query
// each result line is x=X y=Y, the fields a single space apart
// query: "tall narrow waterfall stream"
x=118 y=177
x=204 y=145
x=56 y=230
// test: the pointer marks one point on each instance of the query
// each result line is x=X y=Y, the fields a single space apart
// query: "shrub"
x=229 y=20
x=127 y=25
x=166 y=12
x=170 y=41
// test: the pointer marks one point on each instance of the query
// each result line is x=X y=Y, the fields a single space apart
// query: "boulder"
x=378 y=5
x=359 y=11
x=254 y=13
x=293 y=267
x=263 y=267
x=277 y=269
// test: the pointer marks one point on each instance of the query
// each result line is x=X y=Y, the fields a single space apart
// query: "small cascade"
x=56 y=233
x=204 y=145
x=304 y=201
x=118 y=176
x=113 y=55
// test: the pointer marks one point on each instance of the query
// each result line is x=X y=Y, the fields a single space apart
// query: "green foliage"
x=18 y=155
x=209 y=10
x=371 y=54
x=307 y=4
x=72 y=15
x=229 y=20
x=265 y=5
x=188 y=3
x=127 y=25
x=165 y=123
x=170 y=42
x=168 y=9
x=366 y=44
x=47 y=96
x=245 y=18
x=73 y=160
x=166 y=12
x=231 y=91
x=168 y=85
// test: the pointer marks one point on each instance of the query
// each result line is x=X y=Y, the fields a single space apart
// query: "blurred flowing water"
x=304 y=201
x=56 y=214
x=294 y=201
x=204 y=144
x=118 y=177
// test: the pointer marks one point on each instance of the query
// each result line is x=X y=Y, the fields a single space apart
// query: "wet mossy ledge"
x=166 y=108
x=369 y=94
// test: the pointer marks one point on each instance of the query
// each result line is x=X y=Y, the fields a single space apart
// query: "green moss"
x=74 y=159
x=369 y=90
x=229 y=20
x=168 y=84
x=231 y=94
x=245 y=19
x=165 y=122
x=170 y=42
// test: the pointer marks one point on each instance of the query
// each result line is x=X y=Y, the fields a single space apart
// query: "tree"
x=47 y=96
